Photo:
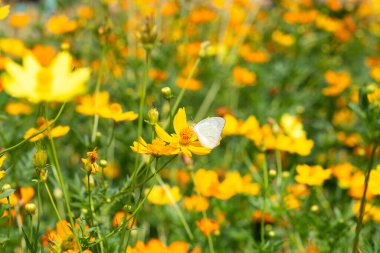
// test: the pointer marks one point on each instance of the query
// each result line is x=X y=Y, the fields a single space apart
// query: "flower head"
x=53 y=83
x=184 y=140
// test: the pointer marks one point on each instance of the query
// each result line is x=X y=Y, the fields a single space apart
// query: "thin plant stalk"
x=62 y=183
x=359 y=222
x=35 y=134
x=176 y=208
x=52 y=201
x=97 y=89
x=39 y=206
x=180 y=96
x=9 y=217
x=265 y=195
x=204 y=214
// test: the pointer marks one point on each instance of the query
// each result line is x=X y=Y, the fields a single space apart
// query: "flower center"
x=185 y=136
x=44 y=78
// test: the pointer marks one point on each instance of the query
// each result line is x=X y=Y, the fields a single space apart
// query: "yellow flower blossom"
x=37 y=83
x=4 y=11
x=312 y=175
x=196 y=203
x=14 y=47
x=157 y=148
x=115 y=112
x=283 y=38
x=156 y=246
x=158 y=195
x=184 y=140
x=18 y=108
x=55 y=132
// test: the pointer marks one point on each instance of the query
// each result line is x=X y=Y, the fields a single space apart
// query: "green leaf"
x=6 y=193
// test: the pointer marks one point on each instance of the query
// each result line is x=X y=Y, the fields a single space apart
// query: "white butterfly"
x=209 y=131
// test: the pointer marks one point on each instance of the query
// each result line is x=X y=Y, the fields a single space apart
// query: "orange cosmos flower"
x=18 y=108
x=208 y=226
x=191 y=84
x=338 y=82
x=44 y=54
x=156 y=246
x=61 y=24
x=196 y=203
x=184 y=140
x=19 y=20
x=243 y=76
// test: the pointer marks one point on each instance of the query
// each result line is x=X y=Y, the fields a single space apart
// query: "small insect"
x=209 y=131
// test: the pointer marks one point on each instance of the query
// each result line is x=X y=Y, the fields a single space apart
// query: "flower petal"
x=179 y=121
x=162 y=134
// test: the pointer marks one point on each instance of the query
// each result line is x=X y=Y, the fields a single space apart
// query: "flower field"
x=173 y=126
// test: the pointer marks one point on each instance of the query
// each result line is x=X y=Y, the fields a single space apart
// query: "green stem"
x=176 y=208
x=97 y=89
x=180 y=96
x=279 y=168
x=39 y=206
x=204 y=214
x=363 y=201
x=30 y=227
x=52 y=201
x=35 y=134
x=265 y=195
x=61 y=181
x=207 y=101
x=9 y=217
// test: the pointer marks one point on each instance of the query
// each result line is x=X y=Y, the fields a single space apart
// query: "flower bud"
x=272 y=173
x=285 y=174
x=314 y=208
x=6 y=187
x=153 y=116
x=31 y=208
x=57 y=193
x=148 y=33
x=371 y=88
x=167 y=93
x=103 y=163
x=39 y=159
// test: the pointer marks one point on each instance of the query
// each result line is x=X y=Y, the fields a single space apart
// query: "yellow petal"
x=199 y=150
x=179 y=121
x=162 y=134
x=4 y=11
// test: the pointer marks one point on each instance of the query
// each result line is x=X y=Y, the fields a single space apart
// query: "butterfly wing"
x=209 y=131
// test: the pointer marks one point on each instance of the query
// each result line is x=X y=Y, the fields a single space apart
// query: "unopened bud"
x=272 y=173
x=285 y=174
x=6 y=187
x=371 y=88
x=31 y=208
x=103 y=163
x=167 y=93
x=57 y=193
x=39 y=159
x=148 y=33
x=272 y=233
x=314 y=208
x=153 y=116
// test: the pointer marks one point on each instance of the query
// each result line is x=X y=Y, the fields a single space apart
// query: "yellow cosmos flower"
x=55 y=132
x=157 y=148
x=158 y=195
x=312 y=175
x=53 y=83
x=184 y=140
x=4 y=11
x=114 y=111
